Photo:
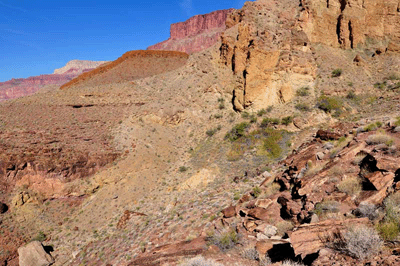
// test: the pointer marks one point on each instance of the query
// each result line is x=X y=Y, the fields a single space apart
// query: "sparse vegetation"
x=183 y=169
x=269 y=121
x=250 y=253
x=225 y=240
x=351 y=186
x=303 y=107
x=380 y=138
x=337 y=72
x=287 y=120
x=237 y=131
x=261 y=112
x=303 y=91
x=330 y=104
x=40 y=237
x=256 y=191
x=200 y=261
x=362 y=242
x=326 y=206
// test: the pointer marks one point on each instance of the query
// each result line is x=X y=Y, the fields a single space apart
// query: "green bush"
x=329 y=104
x=269 y=121
x=237 y=131
x=271 y=143
x=351 y=95
x=336 y=73
x=39 y=237
x=261 y=112
x=183 y=169
x=253 y=119
x=287 y=120
x=303 y=107
x=389 y=230
x=303 y=91
x=225 y=240
x=245 y=115
x=256 y=191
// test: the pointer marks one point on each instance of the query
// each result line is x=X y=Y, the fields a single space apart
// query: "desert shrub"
x=380 y=85
x=261 y=112
x=224 y=240
x=221 y=100
x=351 y=186
x=362 y=242
x=392 y=207
x=245 y=115
x=326 y=206
x=379 y=139
x=302 y=107
x=211 y=132
x=269 y=108
x=250 y=253
x=366 y=210
x=253 y=118
x=303 y=91
x=256 y=191
x=39 y=237
x=373 y=126
x=329 y=104
x=237 y=131
x=389 y=230
x=271 y=143
x=357 y=160
x=351 y=95
x=393 y=76
x=287 y=120
x=269 y=121
x=336 y=72
x=221 y=106
x=200 y=261
x=291 y=263
x=183 y=169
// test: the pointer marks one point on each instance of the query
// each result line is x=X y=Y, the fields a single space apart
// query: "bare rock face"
x=195 y=34
x=34 y=254
x=78 y=66
x=16 y=88
x=270 y=45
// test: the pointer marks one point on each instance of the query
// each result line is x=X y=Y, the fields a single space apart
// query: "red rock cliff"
x=195 y=34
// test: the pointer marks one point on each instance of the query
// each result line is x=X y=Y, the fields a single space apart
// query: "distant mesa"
x=130 y=66
x=16 y=88
x=195 y=34
x=78 y=66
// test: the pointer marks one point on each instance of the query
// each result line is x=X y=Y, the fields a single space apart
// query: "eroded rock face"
x=195 y=34
x=34 y=254
x=78 y=66
x=269 y=45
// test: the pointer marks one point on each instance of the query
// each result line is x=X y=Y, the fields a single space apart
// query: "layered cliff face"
x=195 y=34
x=270 y=45
x=16 y=88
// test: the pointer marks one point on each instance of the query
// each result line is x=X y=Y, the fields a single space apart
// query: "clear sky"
x=38 y=36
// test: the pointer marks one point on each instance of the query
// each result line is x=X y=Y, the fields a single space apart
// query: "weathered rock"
x=34 y=254
x=326 y=135
x=267 y=215
x=229 y=212
x=320 y=155
x=308 y=238
x=267 y=229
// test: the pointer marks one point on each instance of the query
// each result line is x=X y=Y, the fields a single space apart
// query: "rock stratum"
x=20 y=87
x=196 y=34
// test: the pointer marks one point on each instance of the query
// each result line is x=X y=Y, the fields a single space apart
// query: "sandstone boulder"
x=34 y=254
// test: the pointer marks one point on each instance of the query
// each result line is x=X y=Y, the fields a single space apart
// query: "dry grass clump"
x=200 y=261
x=284 y=227
x=250 y=253
x=357 y=160
x=359 y=242
x=362 y=242
x=291 y=263
x=379 y=138
x=224 y=240
x=351 y=186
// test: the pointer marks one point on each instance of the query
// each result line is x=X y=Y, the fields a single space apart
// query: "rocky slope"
x=195 y=34
x=126 y=168
x=16 y=88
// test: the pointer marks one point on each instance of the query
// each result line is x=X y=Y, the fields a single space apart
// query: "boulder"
x=229 y=212
x=308 y=238
x=34 y=254
x=326 y=135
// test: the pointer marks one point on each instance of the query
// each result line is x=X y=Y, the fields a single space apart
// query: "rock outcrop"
x=270 y=45
x=195 y=34
x=16 y=88
x=34 y=254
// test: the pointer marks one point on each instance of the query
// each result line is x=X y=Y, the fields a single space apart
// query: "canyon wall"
x=195 y=34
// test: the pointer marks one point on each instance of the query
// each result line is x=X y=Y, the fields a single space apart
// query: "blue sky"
x=38 y=36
